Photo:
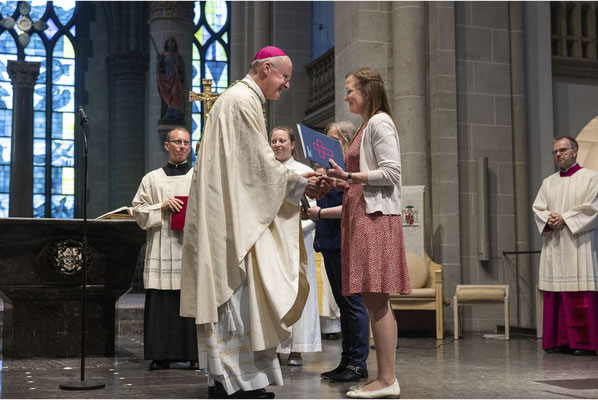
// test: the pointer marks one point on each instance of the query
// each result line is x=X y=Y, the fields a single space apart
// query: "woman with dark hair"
x=372 y=249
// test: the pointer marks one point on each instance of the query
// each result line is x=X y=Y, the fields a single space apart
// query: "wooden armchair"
x=426 y=284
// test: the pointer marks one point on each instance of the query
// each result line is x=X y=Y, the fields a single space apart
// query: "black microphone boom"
x=81 y=112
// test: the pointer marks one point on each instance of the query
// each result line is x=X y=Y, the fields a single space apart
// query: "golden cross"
x=208 y=98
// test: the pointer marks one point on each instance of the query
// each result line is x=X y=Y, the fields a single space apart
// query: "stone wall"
x=485 y=130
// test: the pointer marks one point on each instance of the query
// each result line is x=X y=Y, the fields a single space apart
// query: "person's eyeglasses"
x=349 y=91
x=557 y=151
x=287 y=78
x=180 y=142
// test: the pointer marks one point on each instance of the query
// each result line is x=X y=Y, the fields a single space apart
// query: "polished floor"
x=473 y=367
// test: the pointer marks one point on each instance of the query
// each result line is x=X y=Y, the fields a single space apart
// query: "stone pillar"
x=23 y=75
x=251 y=29
x=127 y=125
x=410 y=103
x=445 y=236
x=167 y=18
x=520 y=165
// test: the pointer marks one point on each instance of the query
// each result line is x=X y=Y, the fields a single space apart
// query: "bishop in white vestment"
x=566 y=213
x=243 y=277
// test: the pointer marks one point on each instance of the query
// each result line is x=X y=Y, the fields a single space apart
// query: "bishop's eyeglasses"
x=287 y=78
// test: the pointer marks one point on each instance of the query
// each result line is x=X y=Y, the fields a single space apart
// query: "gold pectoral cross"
x=208 y=98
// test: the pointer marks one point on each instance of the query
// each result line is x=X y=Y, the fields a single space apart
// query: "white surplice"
x=305 y=333
x=162 y=269
x=569 y=259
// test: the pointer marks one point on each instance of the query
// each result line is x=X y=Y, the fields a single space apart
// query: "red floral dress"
x=372 y=249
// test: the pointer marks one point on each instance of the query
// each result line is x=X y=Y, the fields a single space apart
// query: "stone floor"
x=473 y=367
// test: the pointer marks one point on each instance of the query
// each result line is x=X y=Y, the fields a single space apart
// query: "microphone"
x=81 y=112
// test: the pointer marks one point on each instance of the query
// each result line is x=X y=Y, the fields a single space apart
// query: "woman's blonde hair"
x=372 y=85
x=346 y=130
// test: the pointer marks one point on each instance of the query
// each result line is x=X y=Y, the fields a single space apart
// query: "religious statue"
x=171 y=82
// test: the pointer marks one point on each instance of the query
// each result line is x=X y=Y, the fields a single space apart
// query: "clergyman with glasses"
x=167 y=336
x=566 y=214
x=244 y=259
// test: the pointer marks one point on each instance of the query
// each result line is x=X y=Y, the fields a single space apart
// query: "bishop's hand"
x=316 y=187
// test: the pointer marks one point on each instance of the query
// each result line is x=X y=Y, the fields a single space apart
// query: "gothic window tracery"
x=211 y=53
x=53 y=103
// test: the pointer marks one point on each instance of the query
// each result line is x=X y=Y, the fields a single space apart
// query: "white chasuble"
x=569 y=259
x=162 y=269
x=243 y=212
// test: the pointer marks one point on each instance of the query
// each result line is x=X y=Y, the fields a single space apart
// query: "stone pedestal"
x=23 y=75
x=41 y=286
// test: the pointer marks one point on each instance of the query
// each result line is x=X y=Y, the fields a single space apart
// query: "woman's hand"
x=336 y=171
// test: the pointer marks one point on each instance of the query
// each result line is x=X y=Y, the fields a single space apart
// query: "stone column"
x=127 y=125
x=410 y=105
x=520 y=167
x=167 y=18
x=445 y=236
x=23 y=75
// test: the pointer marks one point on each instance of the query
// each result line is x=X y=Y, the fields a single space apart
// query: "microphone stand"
x=83 y=384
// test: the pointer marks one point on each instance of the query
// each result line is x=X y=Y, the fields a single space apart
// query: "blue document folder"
x=319 y=148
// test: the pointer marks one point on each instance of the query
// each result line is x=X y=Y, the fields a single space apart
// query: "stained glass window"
x=211 y=53
x=53 y=105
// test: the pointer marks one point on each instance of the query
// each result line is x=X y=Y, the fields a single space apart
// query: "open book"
x=120 y=213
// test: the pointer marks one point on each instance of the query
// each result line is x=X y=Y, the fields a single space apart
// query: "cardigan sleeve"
x=385 y=144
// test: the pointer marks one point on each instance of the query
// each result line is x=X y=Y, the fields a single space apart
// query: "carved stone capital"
x=127 y=65
x=23 y=73
x=171 y=10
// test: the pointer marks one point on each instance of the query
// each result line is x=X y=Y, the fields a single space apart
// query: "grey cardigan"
x=380 y=156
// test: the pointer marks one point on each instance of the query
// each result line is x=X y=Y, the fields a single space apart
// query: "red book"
x=178 y=220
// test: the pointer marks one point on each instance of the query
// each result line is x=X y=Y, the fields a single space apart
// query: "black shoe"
x=194 y=365
x=220 y=393
x=327 y=375
x=582 y=352
x=560 y=349
x=211 y=392
x=350 y=374
x=331 y=336
x=159 y=364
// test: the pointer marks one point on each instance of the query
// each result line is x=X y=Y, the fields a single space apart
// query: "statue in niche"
x=171 y=84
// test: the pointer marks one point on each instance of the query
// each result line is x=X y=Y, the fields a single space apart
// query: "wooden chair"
x=426 y=285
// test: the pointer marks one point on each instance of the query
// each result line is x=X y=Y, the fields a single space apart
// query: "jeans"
x=355 y=321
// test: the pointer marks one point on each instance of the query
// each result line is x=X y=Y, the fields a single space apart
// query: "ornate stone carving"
x=66 y=257
x=171 y=9
x=321 y=74
x=127 y=65
x=23 y=73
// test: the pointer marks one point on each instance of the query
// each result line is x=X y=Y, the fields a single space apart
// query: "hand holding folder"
x=177 y=221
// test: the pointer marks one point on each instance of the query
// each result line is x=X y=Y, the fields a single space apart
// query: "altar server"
x=167 y=337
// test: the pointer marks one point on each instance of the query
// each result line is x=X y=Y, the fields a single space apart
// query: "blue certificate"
x=319 y=148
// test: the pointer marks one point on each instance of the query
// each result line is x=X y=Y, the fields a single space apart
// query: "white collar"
x=254 y=85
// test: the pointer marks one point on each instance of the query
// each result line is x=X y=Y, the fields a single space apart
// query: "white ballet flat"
x=390 y=392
